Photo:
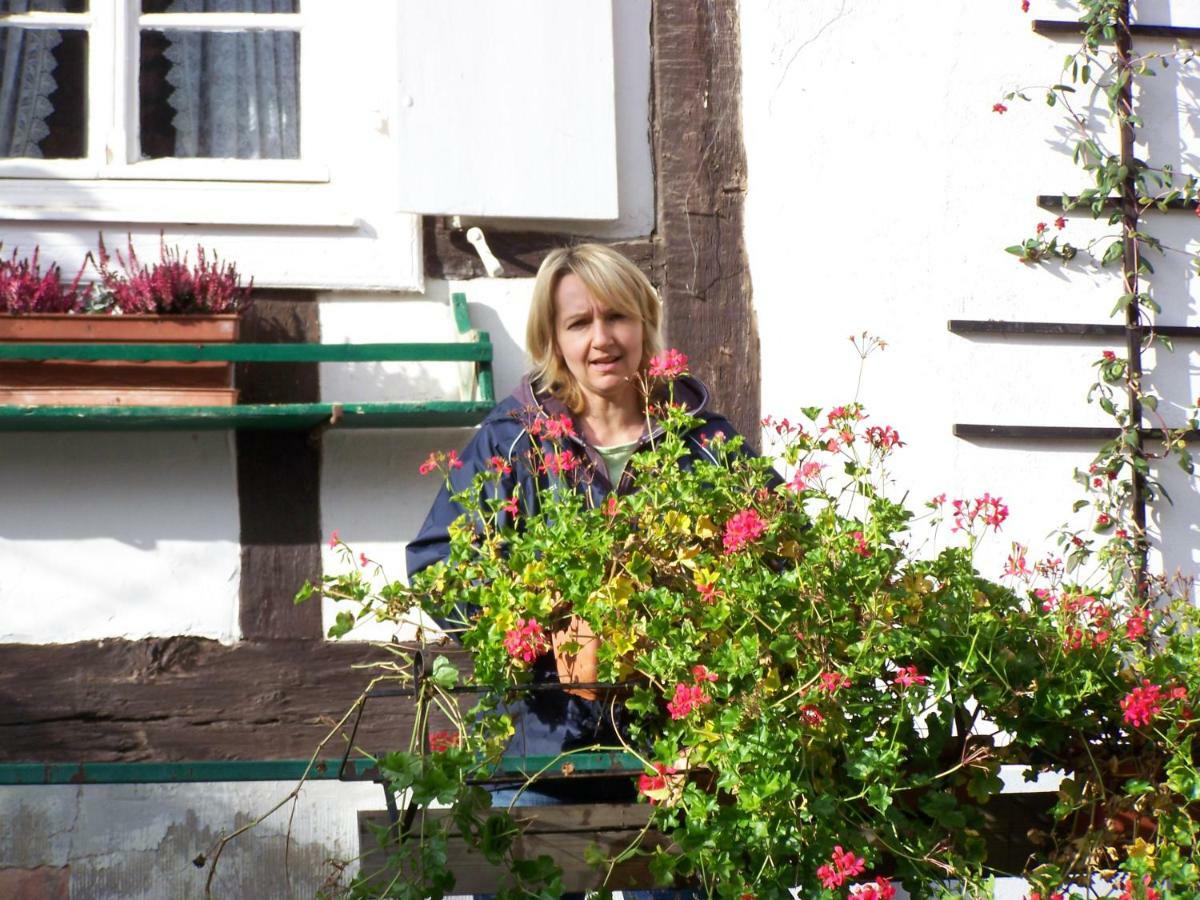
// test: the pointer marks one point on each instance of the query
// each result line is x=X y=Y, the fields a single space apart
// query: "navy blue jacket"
x=549 y=722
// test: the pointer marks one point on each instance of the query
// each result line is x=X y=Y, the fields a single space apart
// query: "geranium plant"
x=817 y=698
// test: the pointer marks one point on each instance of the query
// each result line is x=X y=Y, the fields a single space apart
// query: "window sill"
x=234 y=170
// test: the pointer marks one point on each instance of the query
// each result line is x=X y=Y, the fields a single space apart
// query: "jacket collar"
x=688 y=390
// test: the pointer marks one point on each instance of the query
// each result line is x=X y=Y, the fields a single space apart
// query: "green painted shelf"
x=273 y=416
x=475 y=347
x=204 y=771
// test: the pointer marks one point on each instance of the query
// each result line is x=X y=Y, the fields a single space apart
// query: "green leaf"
x=304 y=593
x=401 y=769
x=342 y=623
x=1136 y=787
x=943 y=809
x=879 y=797
x=984 y=785
x=445 y=675
x=1182 y=776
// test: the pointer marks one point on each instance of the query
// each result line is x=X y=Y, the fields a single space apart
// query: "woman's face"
x=601 y=346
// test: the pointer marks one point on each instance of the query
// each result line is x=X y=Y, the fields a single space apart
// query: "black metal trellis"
x=1134 y=331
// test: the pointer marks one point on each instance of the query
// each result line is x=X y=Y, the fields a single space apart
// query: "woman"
x=593 y=328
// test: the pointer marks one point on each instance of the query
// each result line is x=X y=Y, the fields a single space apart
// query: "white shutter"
x=507 y=108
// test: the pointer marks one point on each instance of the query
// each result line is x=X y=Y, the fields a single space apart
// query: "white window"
x=259 y=128
x=299 y=137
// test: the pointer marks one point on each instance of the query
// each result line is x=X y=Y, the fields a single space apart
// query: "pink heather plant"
x=170 y=286
x=24 y=288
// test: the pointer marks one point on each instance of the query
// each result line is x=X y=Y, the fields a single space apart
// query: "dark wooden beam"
x=967 y=327
x=1053 y=27
x=701 y=182
x=183 y=698
x=448 y=254
x=279 y=478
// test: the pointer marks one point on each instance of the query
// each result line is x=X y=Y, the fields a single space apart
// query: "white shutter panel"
x=507 y=108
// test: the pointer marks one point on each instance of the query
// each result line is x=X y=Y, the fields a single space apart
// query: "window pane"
x=220 y=6
x=43 y=93
x=220 y=94
x=21 y=6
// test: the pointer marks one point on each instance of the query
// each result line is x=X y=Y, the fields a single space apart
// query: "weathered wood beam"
x=184 y=698
x=279 y=476
x=448 y=254
x=701 y=173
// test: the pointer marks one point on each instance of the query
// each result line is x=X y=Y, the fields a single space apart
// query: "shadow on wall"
x=131 y=488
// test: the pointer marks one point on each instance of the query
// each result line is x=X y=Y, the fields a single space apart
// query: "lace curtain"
x=235 y=94
x=26 y=83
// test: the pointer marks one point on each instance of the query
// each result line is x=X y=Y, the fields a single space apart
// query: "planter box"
x=117 y=382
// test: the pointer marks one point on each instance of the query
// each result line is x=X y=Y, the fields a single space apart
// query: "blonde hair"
x=614 y=281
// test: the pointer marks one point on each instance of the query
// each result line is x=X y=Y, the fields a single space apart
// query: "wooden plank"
x=184 y=698
x=1066 y=329
x=466 y=351
x=701 y=170
x=1033 y=432
x=449 y=255
x=1055 y=203
x=117 y=396
x=1050 y=27
x=561 y=832
x=1057 y=433
x=564 y=833
x=90 y=328
x=278 y=479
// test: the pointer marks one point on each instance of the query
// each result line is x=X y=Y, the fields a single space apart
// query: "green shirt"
x=615 y=458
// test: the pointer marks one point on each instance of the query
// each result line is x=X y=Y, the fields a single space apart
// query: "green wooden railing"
x=33 y=773
x=475 y=347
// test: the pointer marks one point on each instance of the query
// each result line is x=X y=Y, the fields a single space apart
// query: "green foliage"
x=797 y=678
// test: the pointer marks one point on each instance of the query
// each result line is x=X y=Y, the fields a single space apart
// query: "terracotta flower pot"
x=117 y=382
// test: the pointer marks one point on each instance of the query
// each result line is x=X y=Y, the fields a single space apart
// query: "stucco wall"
x=138 y=842
x=882 y=191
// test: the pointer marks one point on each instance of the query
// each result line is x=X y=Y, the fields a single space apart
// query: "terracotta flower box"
x=117 y=382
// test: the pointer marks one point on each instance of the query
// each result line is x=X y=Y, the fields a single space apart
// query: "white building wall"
x=882 y=191
x=118 y=535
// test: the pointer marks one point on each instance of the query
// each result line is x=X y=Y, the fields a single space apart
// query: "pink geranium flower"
x=687 y=698
x=527 y=641
x=909 y=676
x=743 y=528
x=881 y=890
x=1142 y=704
x=668 y=364
x=842 y=866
